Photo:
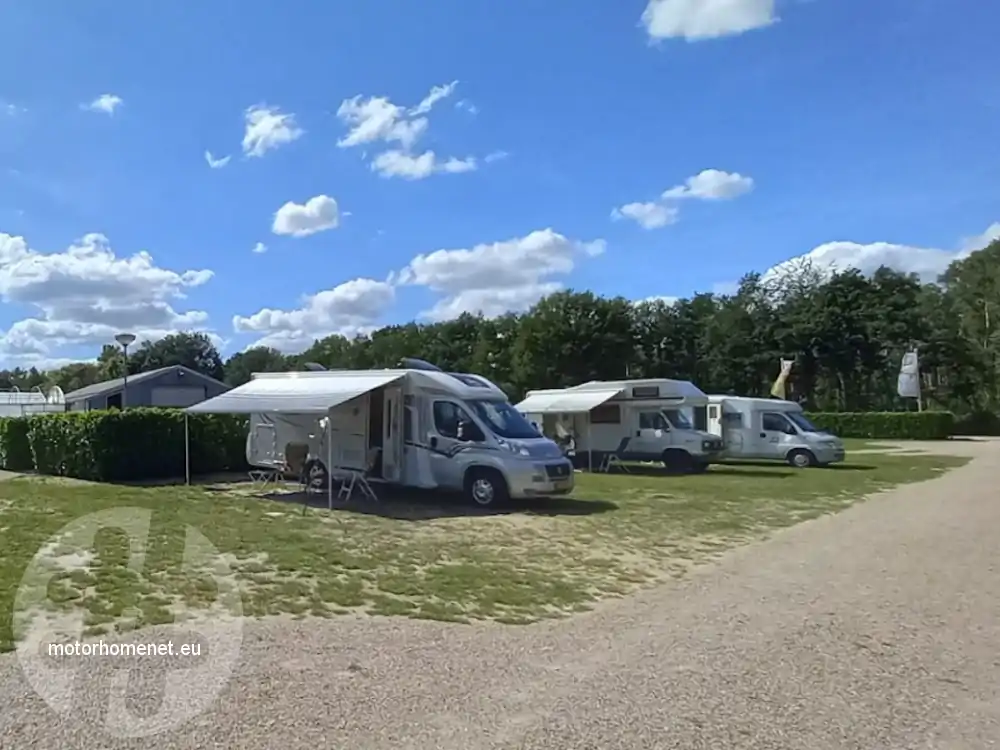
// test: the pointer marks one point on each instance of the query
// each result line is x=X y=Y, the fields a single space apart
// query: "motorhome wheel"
x=800 y=458
x=315 y=474
x=485 y=487
x=676 y=460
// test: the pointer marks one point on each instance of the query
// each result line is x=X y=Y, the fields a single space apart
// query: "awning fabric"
x=291 y=395
x=565 y=401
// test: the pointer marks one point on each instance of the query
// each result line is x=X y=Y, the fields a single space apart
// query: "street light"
x=125 y=339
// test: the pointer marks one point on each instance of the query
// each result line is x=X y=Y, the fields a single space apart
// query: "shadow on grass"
x=787 y=472
x=715 y=470
x=406 y=504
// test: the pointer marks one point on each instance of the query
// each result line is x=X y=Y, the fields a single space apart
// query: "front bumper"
x=538 y=479
x=830 y=455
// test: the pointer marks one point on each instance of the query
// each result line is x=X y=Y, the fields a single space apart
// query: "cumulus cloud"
x=268 y=128
x=499 y=277
x=695 y=20
x=86 y=294
x=259 y=249
x=647 y=215
x=105 y=104
x=303 y=219
x=395 y=163
x=348 y=309
x=376 y=120
x=707 y=185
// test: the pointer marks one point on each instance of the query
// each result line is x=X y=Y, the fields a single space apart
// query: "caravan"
x=768 y=428
x=629 y=420
x=416 y=427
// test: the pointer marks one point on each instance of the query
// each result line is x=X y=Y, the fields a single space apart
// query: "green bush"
x=15 y=449
x=895 y=425
x=978 y=423
x=136 y=444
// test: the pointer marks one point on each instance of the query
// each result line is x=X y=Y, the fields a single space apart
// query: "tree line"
x=846 y=332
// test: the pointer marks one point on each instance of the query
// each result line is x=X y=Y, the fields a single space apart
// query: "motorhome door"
x=392 y=434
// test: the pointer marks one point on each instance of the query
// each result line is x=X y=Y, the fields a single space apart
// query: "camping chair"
x=359 y=479
x=615 y=458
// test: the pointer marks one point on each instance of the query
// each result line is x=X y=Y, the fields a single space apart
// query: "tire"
x=314 y=475
x=699 y=467
x=800 y=458
x=485 y=488
x=677 y=461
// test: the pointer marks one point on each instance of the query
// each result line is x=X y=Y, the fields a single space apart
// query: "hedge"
x=135 y=444
x=15 y=450
x=896 y=425
x=978 y=423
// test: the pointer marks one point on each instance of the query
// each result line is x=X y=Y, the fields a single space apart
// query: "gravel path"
x=875 y=628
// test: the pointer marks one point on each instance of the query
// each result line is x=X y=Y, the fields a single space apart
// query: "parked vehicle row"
x=422 y=427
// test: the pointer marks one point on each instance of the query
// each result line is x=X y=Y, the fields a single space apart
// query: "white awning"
x=291 y=395
x=565 y=401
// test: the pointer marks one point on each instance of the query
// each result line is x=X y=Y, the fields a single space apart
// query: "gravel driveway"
x=875 y=628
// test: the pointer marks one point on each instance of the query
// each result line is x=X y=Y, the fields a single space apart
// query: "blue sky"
x=862 y=132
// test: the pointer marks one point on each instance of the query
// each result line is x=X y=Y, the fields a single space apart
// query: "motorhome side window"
x=651 y=420
x=446 y=418
x=733 y=419
x=606 y=414
x=772 y=422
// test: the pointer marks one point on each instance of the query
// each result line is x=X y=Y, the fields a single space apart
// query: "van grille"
x=557 y=471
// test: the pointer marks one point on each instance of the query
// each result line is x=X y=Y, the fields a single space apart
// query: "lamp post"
x=125 y=339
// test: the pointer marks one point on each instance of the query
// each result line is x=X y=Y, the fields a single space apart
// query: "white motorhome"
x=634 y=420
x=769 y=428
x=426 y=428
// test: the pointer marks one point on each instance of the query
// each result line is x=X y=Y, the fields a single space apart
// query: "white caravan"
x=768 y=428
x=634 y=420
x=424 y=428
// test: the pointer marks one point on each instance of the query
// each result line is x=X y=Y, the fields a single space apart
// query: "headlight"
x=515 y=448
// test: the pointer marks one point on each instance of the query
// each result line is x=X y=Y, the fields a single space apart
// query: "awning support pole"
x=590 y=448
x=187 y=451
x=329 y=460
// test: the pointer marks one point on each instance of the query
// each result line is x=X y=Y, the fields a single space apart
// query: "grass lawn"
x=430 y=559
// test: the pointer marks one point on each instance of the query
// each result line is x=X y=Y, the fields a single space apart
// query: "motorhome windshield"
x=799 y=420
x=504 y=419
x=678 y=419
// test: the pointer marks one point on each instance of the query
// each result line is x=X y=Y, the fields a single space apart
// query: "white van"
x=635 y=420
x=768 y=428
x=424 y=427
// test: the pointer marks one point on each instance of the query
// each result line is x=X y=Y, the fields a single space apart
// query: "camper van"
x=416 y=427
x=768 y=428
x=633 y=420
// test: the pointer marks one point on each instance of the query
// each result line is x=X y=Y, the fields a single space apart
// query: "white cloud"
x=9 y=109
x=666 y=300
x=696 y=20
x=928 y=263
x=106 y=103
x=267 y=128
x=300 y=220
x=979 y=241
x=216 y=163
x=377 y=120
x=466 y=106
x=495 y=156
x=497 y=277
x=350 y=308
x=711 y=184
x=436 y=94
x=707 y=185
x=647 y=215
x=396 y=163
x=260 y=248
x=86 y=294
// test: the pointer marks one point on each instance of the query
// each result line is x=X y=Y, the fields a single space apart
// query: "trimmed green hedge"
x=15 y=450
x=896 y=425
x=136 y=444
x=978 y=423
